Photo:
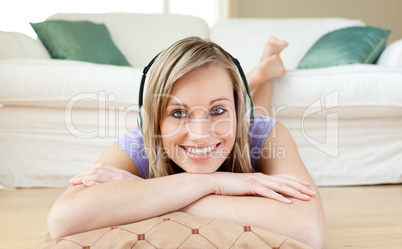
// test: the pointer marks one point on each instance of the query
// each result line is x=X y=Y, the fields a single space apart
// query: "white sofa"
x=58 y=116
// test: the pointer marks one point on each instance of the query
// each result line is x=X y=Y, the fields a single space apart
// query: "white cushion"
x=56 y=83
x=346 y=121
x=357 y=90
x=41 y=147
x=245 y=38
x=392 y=55
x=142 y=36
x=17 y=45
x=350 y=151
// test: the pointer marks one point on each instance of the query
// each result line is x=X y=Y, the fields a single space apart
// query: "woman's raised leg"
x=260 y=78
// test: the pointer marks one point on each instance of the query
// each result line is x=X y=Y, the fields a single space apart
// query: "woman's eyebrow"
x=175 y=103
x=218 y=99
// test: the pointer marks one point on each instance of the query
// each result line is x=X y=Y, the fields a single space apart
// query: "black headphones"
x=249 y=102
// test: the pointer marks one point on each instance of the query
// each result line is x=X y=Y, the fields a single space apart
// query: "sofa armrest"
x=17 y=45
x=392 y=55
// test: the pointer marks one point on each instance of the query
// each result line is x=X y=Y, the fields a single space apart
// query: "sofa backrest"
x=245 y=38
x=141 y=36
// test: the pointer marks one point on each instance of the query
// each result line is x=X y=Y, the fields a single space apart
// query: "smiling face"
x=198 y=127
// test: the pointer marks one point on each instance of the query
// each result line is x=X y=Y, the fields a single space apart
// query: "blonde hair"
x=181 y=58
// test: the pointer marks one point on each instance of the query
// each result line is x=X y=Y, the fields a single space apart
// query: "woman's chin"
x=199 y=169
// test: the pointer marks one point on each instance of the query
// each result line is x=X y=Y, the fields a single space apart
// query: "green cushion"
x=81 y=40
x=350 y=45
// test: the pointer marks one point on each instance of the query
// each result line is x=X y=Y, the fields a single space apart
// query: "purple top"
x=133 y=143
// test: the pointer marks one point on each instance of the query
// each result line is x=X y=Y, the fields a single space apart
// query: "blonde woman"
x=199 y=150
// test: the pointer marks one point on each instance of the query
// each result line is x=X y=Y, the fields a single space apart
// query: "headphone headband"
x=142 y=84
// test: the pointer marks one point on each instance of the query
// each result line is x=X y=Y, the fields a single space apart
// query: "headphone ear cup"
x=249 y=103
x=250 y=111
x=139 y=121
x=142 y=120
x=140 y=95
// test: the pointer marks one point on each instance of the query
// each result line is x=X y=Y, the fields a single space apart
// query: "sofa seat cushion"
x=357 y=91
x=346 y=122
x=56 y=83
x=45 y=147
x=339 y=152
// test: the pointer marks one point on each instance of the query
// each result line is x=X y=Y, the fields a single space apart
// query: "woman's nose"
x=199 y=128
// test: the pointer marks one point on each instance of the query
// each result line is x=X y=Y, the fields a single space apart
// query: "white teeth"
x=204 y=150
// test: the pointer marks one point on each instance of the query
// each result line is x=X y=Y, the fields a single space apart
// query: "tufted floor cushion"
x=175 y=230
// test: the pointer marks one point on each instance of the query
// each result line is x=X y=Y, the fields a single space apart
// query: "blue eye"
x=217 y=110
x=179 y=114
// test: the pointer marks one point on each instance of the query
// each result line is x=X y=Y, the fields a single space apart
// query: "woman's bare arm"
x=118 y=202
x=122 y=201
x=302 y=220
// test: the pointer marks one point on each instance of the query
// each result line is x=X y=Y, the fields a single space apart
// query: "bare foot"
x=270 y=65
x=267 y=69
x=273 y=46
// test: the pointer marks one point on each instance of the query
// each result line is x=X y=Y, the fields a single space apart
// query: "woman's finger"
x=269 y=193
x=83 y=175
x=105 y=169
x=88 y=184
x=76 y=180
x=295 y=188
x=286 y=190
x=101 y=173
x=274 y=187
x=306 y=183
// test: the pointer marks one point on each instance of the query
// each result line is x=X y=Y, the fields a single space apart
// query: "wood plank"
x=23 y=215
x=363 y=217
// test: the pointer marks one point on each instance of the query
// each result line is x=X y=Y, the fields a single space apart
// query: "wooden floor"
x=356 y=217
x=363 y=217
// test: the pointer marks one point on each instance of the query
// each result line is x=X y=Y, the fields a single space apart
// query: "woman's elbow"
x=314 y=234
x=56 y=226
x=61 y=223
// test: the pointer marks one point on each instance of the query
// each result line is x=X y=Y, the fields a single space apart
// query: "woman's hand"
x=275 y=187
x=101 y=173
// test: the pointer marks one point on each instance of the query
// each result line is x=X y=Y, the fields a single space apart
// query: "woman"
x=202 y=149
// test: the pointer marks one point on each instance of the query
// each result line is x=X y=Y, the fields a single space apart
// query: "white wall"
x=15 y=15
x=385 y=14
